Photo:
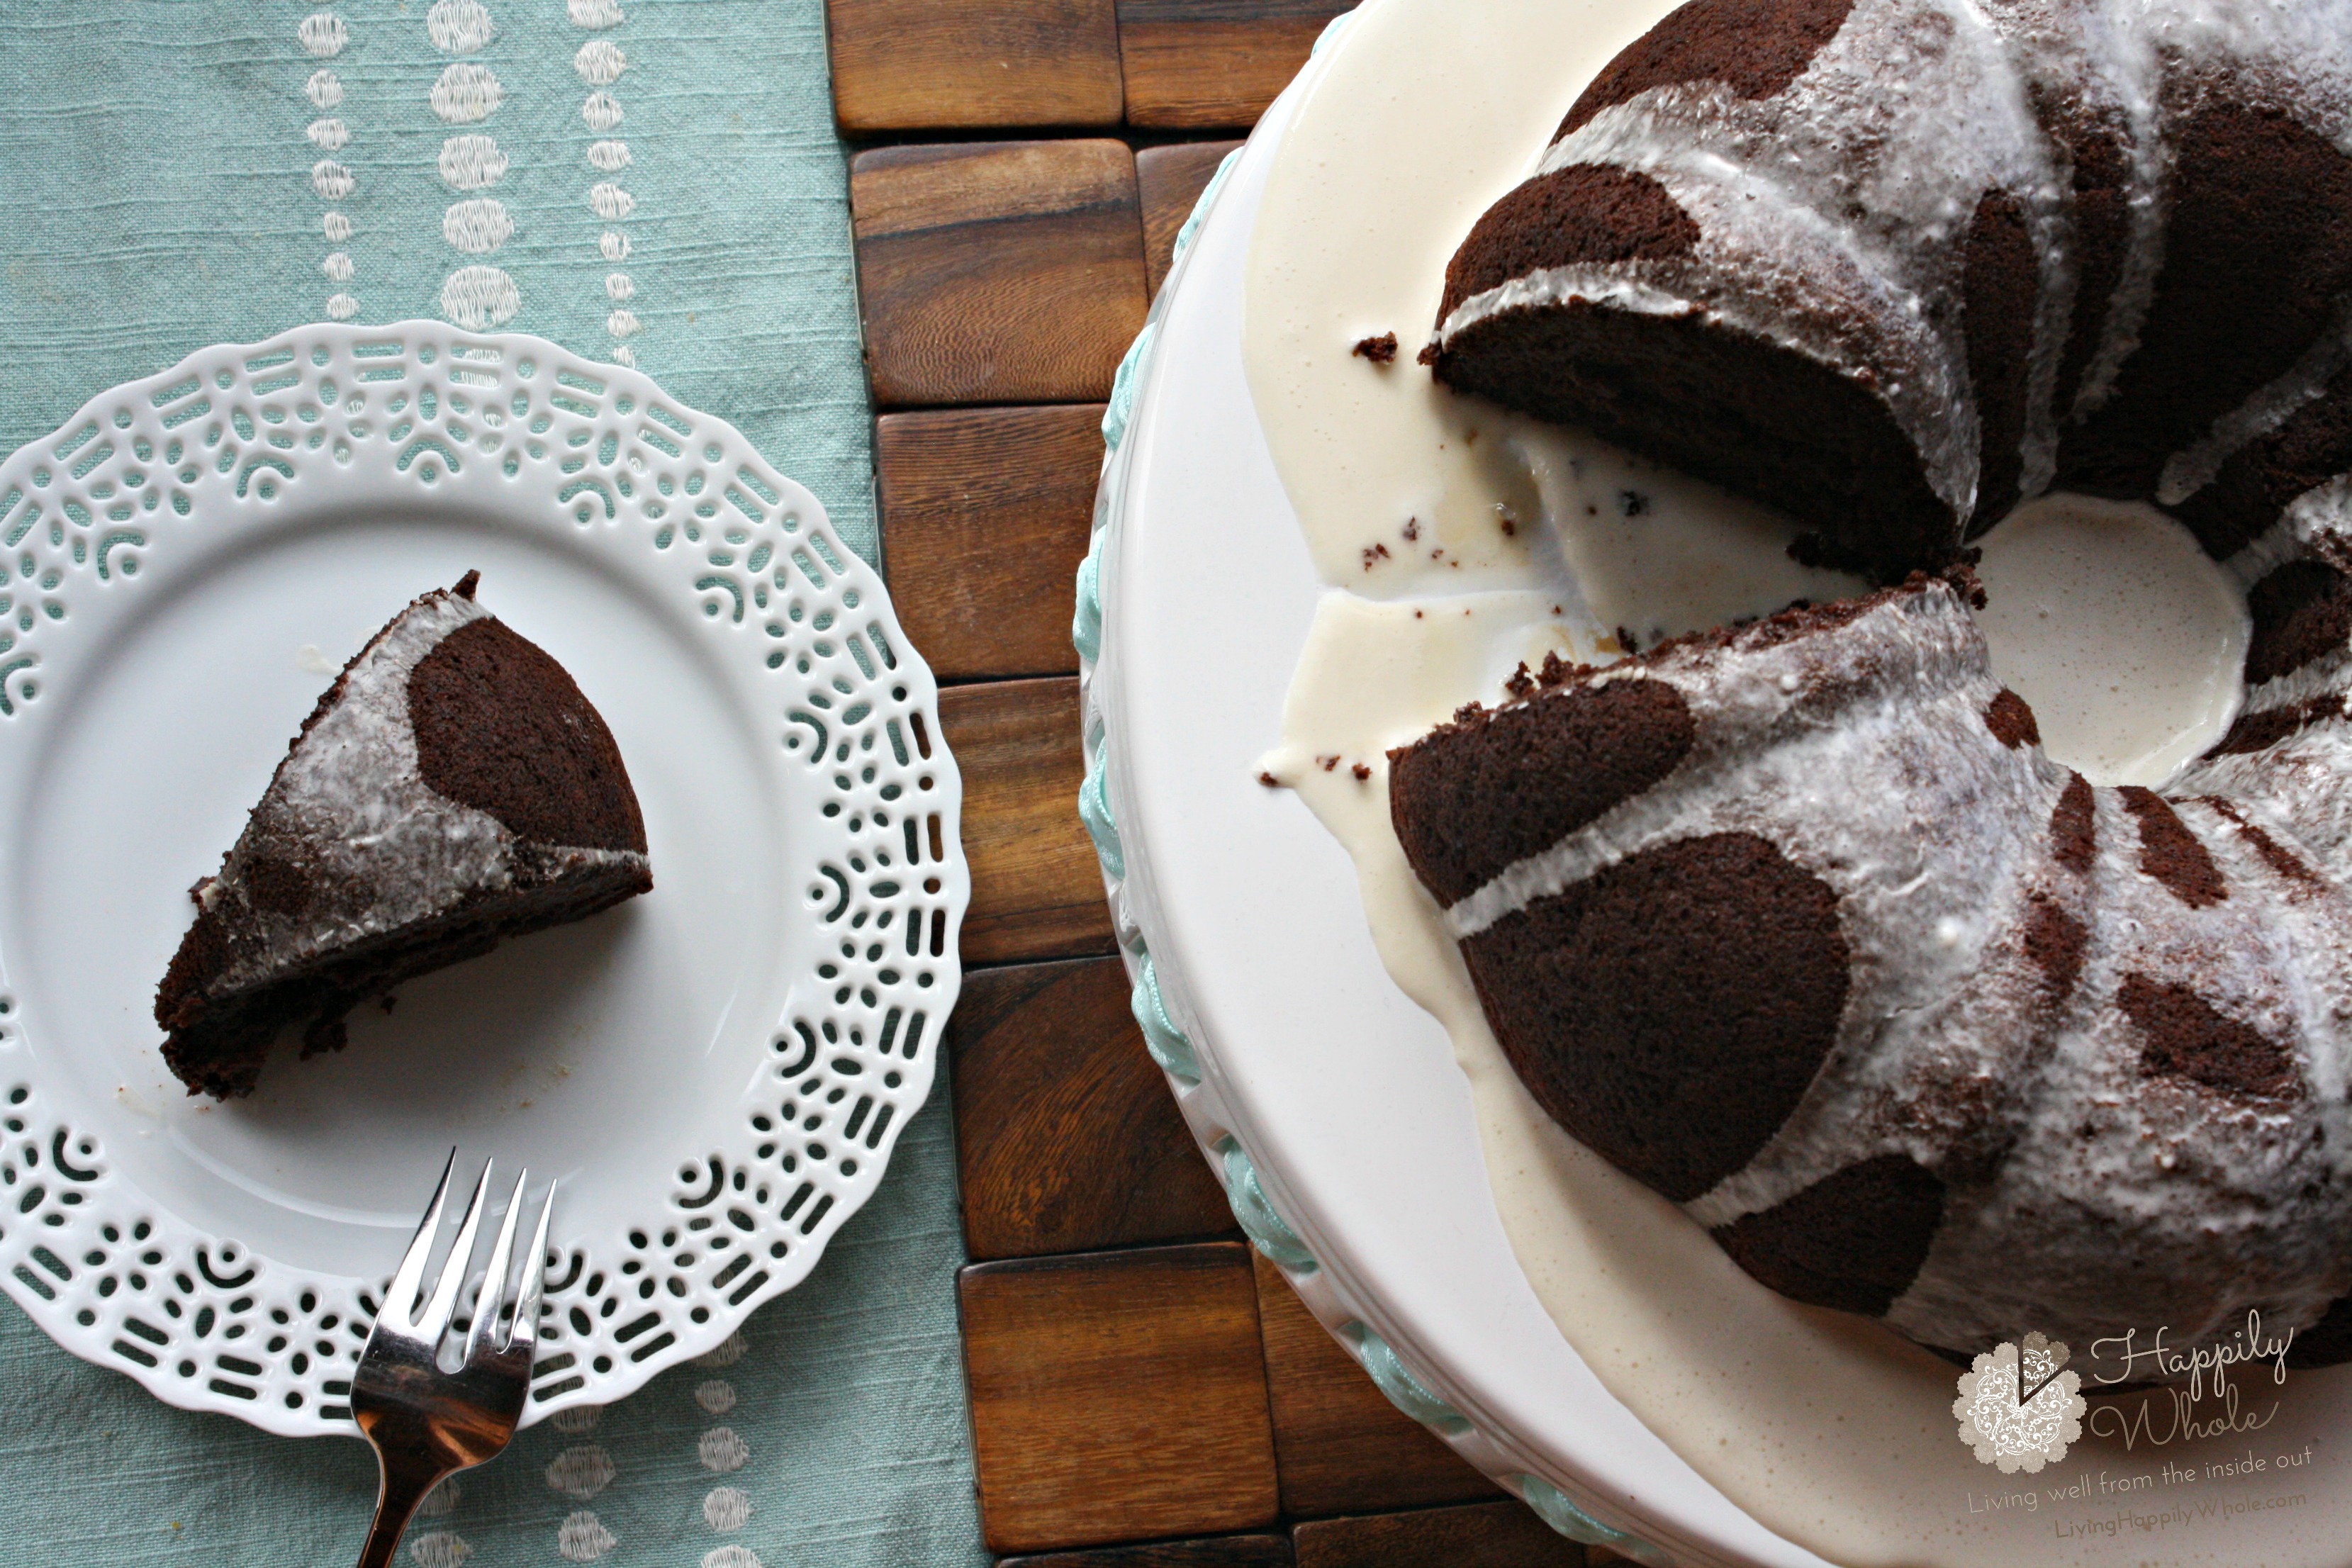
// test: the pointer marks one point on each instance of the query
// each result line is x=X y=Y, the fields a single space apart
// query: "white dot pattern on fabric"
x=578 y=1419
x=331 y=180
x=442 y=1500
x=341 y=307
x=324 y=89
x=440 y=1549
x=717 y=1397
x=722 y=1449
x=732 y=1557
x=727 y=1509
x=583 y=1538
x=581 y=1472
x=600 y=62
x=472 y=161
x=477 y=297
x=723 y=1354
x=337 y=228
x=324 y=35
x=337 y=267
x=477 y=227
x=480 y=297
x=457 y=26
x=328 y=135
x=467 y=93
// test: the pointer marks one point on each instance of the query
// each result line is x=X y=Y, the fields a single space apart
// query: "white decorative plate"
x=715 y=1073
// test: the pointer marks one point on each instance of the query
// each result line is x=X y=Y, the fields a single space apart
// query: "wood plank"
x=1067 y=1137
x=1213 y=65
x=917 y=65
x=997 y=271
x=1036 y=890
x=1478 y=1536
x=985 y=515
x=1117 y=1396
x=1223 y=1552
x=1341 y=1446
x=1170 y=180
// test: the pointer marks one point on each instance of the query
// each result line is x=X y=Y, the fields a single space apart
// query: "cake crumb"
x=1328 y=764
x=1382 y=349
x=1269 y=781
x=1625 y=640
x=1631 y=503
x=1374 y=554
x=1428 y=355
x=1361 y=773
x=387 y=1002
x=1411 y=529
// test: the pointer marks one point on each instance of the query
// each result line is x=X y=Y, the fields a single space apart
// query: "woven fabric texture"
x=651 y=182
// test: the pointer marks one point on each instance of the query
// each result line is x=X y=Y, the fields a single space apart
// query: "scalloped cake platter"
x=1333 y=1107
x=714 y=1075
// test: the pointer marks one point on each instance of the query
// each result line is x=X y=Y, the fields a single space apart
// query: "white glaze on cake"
x=1830 y=214
x=1830 y=1431
x=384 y=850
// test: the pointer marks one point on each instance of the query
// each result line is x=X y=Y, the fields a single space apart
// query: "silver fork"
x=425 y=1422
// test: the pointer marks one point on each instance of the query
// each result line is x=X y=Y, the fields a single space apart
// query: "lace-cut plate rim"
x=716 y=1073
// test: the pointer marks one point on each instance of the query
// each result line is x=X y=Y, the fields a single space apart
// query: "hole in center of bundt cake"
x=2126 y=640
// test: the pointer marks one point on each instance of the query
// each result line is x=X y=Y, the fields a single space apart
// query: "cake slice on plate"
x=453 y=787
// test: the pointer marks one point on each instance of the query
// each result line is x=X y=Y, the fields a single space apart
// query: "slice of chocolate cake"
x=452 y=787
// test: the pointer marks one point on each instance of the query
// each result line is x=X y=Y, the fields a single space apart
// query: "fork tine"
x=401 y=1302
x=482 y=1338
x=525 y=1332
x=454 y=1269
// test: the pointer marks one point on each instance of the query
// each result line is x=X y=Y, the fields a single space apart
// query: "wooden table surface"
x=1146 y=1389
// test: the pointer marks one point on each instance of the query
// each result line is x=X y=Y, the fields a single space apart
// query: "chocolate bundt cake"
x=1796 y=922
x=1895 y=265
x=452 y=788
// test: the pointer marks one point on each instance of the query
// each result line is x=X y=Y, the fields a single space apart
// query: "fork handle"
x=400 y=1488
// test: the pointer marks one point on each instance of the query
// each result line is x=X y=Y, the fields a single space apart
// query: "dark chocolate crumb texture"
x=1796 y=922
x=451 y=789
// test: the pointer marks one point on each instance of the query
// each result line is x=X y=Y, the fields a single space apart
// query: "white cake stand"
x=1330 y=1103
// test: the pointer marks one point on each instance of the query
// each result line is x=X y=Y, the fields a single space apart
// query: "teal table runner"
x=655 y=181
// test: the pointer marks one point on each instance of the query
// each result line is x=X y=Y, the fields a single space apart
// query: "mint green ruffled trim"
x=1161 y=1037
x=1086 y=624
x=1405 y=1391
x=1209 y=194
x=1267 y=1230
x=1553 y=1508
x=1123 y=387
x=1330 y=31
x=1094 y=810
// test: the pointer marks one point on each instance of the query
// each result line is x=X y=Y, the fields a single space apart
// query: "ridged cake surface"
x=1796 y=922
